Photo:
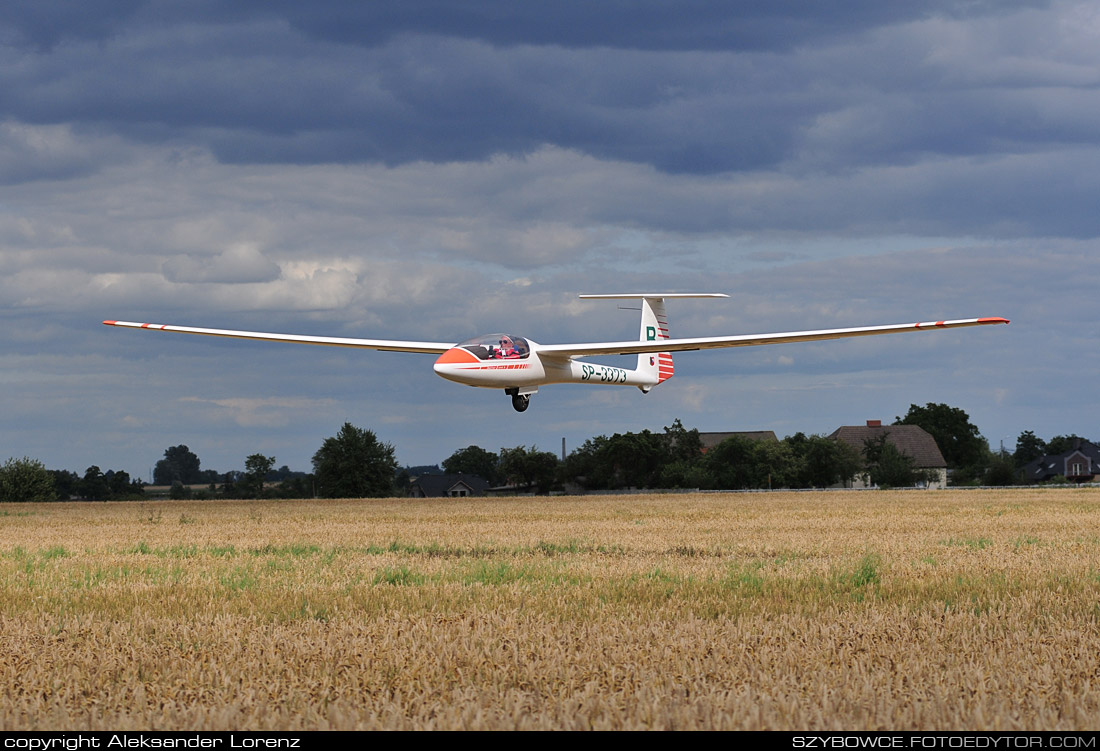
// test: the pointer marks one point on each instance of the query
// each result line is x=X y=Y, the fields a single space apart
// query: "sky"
x=432 y=171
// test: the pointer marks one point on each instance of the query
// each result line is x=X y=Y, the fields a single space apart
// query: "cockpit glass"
x=497 y=347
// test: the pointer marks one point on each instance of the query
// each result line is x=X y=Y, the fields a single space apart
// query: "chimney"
x=874 y=423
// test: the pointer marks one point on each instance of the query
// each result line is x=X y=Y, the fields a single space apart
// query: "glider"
x=519 y=366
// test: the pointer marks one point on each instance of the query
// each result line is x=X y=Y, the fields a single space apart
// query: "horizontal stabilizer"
x=650 y=295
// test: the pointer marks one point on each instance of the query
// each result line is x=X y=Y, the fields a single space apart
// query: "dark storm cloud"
x=703 y=89
x=44 y=23
x=264 y=94
x=645 y=24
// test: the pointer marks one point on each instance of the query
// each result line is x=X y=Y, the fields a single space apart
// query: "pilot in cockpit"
x=507 y=348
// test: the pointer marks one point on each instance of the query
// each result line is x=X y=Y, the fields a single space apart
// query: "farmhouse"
x=912 y=441
x=447 y=486
x=1080 y=464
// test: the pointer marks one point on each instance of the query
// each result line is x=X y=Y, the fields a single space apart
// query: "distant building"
x=1079 y=464
x=710 y=440
x=447 y=486
x=912 y=441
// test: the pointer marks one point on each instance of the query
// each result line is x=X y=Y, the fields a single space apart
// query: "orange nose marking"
x=456 y=354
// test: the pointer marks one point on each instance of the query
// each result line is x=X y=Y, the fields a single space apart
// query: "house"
x=1080 y=464
x=447 y=486
x=912 y=441
x=710 y=440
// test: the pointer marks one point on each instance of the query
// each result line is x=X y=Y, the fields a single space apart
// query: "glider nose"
x=451 y=362
x=456 y=355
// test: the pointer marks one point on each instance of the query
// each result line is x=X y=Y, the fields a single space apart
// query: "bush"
x=25 y=480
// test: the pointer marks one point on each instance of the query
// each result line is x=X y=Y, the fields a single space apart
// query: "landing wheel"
x=520 y=402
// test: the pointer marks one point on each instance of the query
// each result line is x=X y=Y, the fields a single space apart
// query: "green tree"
x=297 y=486
x=889 y=468
x=66 y=483
x=525 y=467
x=25 y=480
x=354 y=464
x=740 y=463
x=585 y=466
x=1060 y=444
x=179 y=464
x=474 y=460
x=886 y=466
x=894 y=469
x=681 y=444
x=1001 y=471
x=958 y=439
x=121 y=487
x=94 y=486
x=684 y=474
x=640 y=460
x=256 y=467
x=824 y=462
x=729 y=465
x=229 y=483
x=1029 y=447
x=635 y=460
x=774 y=465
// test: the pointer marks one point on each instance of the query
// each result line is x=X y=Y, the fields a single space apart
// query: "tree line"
x=355 y=463
x=351 y=464
x=675 y=458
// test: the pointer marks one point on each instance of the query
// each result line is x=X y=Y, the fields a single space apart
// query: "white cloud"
x=267 y=412
x=238 y=264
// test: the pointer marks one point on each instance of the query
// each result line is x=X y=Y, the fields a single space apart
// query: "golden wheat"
x=935 y=610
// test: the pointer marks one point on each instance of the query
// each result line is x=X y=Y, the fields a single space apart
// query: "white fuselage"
x=461 y=366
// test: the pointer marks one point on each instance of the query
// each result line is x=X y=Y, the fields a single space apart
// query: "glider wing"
x=330 y=341
x=749 y=340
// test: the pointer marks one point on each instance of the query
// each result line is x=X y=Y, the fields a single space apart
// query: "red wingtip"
x=109 y=323
x=992 y=320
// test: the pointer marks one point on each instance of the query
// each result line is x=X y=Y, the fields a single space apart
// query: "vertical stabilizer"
x=654 y=327
x=655 y=368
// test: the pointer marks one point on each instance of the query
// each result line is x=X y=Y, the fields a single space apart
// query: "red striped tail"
x=664 y=367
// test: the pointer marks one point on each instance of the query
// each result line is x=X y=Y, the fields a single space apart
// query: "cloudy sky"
x=433 y=170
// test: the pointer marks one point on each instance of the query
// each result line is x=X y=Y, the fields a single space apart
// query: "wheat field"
x=841 y=610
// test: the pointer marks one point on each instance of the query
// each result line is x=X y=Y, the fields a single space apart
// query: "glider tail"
x=654 y=327
x=654 y=368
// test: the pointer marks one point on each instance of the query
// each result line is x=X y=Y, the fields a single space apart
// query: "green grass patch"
x=57 y=551
x=974 y=543
x=494 y=573
x=432 y=550
x=744 y=578
x=399 y=576
x=238 y=579
x=293 y=550
x=862 y=579
x=1024 y=542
